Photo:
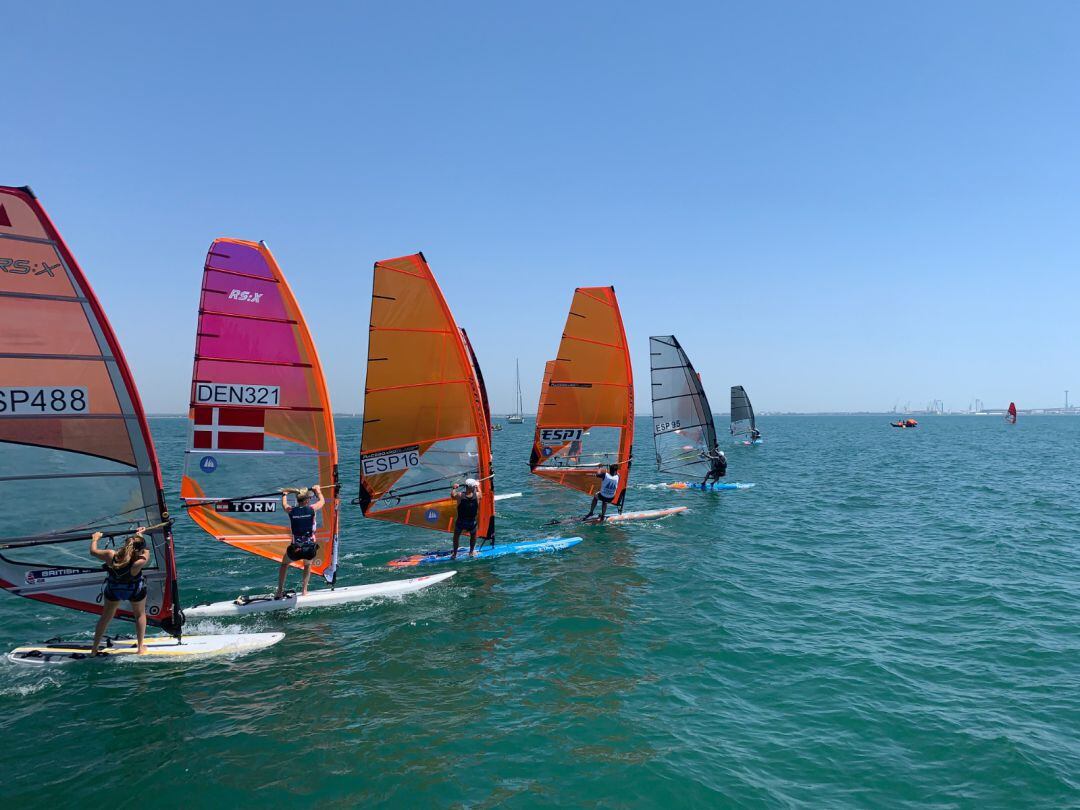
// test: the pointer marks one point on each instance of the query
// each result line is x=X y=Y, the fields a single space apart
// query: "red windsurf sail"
x=75 y=448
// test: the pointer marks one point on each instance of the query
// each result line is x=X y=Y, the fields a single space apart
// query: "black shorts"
x=301 y=549
x=465 y=526
x=125 y=591
x=604 y=500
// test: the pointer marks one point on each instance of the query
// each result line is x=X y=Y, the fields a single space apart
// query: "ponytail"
x=133 y=546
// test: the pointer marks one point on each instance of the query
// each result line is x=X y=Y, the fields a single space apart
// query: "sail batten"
x=260 y=415
x=73 y=433
x=585 y=416
x=427 y=424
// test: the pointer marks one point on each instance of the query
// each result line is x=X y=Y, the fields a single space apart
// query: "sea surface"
x=890 y=618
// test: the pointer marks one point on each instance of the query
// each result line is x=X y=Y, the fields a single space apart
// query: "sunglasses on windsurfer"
x=303 y=521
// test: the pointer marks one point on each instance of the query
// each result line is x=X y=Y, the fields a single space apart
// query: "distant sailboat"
x=517 y=417
x=1010 y=415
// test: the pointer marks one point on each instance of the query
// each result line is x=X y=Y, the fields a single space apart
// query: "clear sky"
x=839 y=205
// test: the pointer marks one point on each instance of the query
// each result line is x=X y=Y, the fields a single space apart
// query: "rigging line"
x=50 y=539
x=91 y=523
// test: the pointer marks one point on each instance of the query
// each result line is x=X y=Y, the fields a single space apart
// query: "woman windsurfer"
x=124 y=583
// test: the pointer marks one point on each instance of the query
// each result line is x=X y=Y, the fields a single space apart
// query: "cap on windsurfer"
x=302 y=521
x=468 y=505
x=717 y=466
x=124 y=583
x=606 y=495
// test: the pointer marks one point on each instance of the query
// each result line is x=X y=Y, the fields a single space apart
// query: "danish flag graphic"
x=229 y=428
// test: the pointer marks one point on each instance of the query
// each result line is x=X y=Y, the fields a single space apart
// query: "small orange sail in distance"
x=426 y=425
x=585 y=419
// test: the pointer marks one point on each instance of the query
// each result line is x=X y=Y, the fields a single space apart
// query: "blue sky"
x=839 y=205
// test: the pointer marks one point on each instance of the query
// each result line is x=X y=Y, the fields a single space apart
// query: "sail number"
x=237 y=394
x=664 y=427
x=388 y=461
x=551 y=437
x=35 y=400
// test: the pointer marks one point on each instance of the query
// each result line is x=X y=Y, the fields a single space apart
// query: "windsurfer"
x=607 y=491
x=124 y=583
x=468 y=505
x=303 y=521
x=718 y=466
x=755 y=434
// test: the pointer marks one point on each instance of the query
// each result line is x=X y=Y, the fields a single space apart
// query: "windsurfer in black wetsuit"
x=755 y=434
x=124 y=583
x=468 y=507
x=303 y=521
x=717 y=466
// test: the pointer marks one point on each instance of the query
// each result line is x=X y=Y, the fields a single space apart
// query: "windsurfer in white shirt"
x=607 y=491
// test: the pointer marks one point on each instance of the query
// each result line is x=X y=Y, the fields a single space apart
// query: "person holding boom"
x=303 y=520
x=124 y=582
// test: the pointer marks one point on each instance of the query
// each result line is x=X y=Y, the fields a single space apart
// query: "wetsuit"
x=717 y=470
x=467 y=509
x=303 y=545
x=122 y=585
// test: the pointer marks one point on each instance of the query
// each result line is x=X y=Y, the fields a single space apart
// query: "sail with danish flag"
x=260 y=413
x=228 y=428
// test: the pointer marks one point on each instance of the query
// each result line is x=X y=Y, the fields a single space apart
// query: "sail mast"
x=517 y=417
x=517 y=375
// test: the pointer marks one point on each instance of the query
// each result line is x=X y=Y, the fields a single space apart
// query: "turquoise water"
x=890 y=618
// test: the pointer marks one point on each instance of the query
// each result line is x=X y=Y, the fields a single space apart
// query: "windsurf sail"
x=260 y=412
x=1010 y=415
x=426 y=425
x=683 y=429
x=76 y=456
x=585 y=420
x=742 y=412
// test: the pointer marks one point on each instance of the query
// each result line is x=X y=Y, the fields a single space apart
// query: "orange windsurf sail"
x=426 y=425
x=585 y=420
x=260 y=413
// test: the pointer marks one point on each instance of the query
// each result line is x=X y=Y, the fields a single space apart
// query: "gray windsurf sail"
x=683 y=428
x=742 y=412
